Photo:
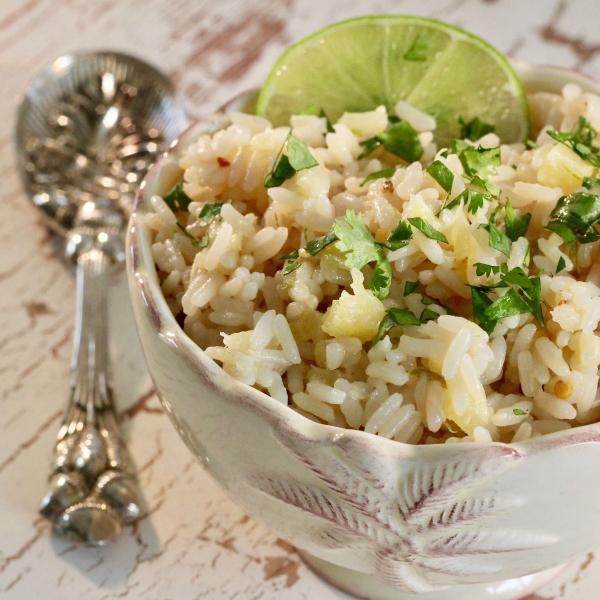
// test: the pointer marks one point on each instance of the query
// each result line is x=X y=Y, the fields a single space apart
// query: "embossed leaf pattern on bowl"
x=414 y=519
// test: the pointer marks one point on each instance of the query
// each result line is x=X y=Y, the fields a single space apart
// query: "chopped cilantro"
x=488 y=270
x=176 y=198
x=290 y=256
x=394 y=317
x=519 y=412
x=426 y=229
x=575 y=217
x=281 y=171
x=429 y=315
x=442 y=174
x=509 y=305
x=519 y=278
x=533 y=298
x=290 y=267
x=561 y=265
x=378 y=175
x=401 y=139
x=411 y=287
x=400 y=235
x=285 y=167
x=516 y=226
x=197 y=243
x=590 y=183
x=315 y=246
x=480 y=303
x=474 y=129
x=580 y=210
x=356 y=240
x=497 y=239
x=480 y=161
x=457 y=146
x=299 y=154
x=462 y=197
x=316 y=111
x=580 y=140
x=417 y=51
x=477 y=200
x=208 y=212
x=563 y=230
x=369 y=146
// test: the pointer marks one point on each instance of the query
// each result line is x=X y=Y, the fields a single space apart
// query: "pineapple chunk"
x=476 y=415
x=355 y=315
x=562 y=168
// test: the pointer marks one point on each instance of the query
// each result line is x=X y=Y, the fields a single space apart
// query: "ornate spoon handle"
x=93 y=491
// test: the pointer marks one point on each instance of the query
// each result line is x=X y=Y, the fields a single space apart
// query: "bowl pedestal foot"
x=369 y=587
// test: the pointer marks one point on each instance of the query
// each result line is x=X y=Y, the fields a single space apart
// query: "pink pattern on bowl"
x=378 y=518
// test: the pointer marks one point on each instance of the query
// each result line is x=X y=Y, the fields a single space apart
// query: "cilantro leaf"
x=533 y=299
x=197 y=243
x=290 y=267
x=369 y=146
x=356 y=240
x=315 y=246
x=483 y=269
x=285 y=167
x=281 y=171
x=457 y=146
x=474 y=129
x=417 y=51
x=497 y=239
x=509 y=305
x=442 y=174
x=299 y=154
x=590 y=183
x=402 y=140
x=429 y=315
x=480 y=304
x=563 y=230
x=209 y=212
x=480 y=161
x=476 y=200
x=381 y=280
x=518 y=277
x=519 y=412
x=176 y=198
x=427 y=230
x=400 y=235
x=579 y=210
x=411 y=287
x=516 y=226
x=394 y=317
x=580 y=140
x=316 y=111
x=561 y=265
x=462 y=197
x=378 y=175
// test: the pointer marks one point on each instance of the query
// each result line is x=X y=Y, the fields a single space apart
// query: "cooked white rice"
x=445 y=380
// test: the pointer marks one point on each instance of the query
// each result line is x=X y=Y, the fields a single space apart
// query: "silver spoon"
x=88 y=129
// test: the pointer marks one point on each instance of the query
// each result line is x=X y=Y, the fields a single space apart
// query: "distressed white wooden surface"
x=194 y=543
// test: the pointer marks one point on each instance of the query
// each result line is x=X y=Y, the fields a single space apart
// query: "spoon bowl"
x=88 y=129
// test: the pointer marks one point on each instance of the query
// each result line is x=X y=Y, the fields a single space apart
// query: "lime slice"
x=359 y=64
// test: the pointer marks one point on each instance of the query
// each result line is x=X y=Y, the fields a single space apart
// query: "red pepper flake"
x=223 y=162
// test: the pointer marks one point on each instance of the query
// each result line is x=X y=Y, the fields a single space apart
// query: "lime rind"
x=348 y=67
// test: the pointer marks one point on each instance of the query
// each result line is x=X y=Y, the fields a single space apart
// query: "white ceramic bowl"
x=378 y=518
